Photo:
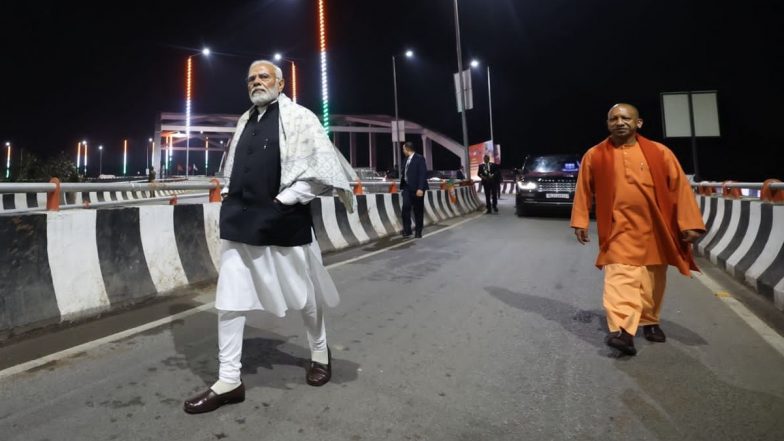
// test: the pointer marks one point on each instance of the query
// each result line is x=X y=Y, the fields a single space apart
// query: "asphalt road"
x=489 y=330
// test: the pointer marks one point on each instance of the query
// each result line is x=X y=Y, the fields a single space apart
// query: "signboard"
x=682 y=109
x=467 y=91
x=398 y=130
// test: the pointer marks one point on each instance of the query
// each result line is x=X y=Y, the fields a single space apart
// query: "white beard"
x=262 y=98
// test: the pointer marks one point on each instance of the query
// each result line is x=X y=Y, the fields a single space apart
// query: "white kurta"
x=274 y=278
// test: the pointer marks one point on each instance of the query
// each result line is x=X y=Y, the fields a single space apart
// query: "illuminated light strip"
x=323 y=49
x=206 y=154
x=294 y=81
x=8 y=162
x=78 y=156
x=85 y=158
x=125 y=157
x=188 y=111
x=169 y=156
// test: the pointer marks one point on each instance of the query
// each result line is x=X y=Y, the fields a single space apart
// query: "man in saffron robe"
x=646 y=216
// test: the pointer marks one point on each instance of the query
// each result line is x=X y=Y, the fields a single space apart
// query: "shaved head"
x=634 y=112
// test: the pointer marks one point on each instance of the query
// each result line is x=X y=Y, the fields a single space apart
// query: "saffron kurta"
x=639 y=231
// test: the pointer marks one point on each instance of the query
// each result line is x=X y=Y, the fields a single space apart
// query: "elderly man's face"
x=263 y=85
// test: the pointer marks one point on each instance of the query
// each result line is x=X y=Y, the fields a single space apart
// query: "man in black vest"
x=280 y=158
x=413 y=183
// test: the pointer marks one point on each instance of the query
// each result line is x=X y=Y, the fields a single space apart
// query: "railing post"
x=215 y=192
x=769 y=194
x=358 y=190
x=53 y=197
x=732 y=193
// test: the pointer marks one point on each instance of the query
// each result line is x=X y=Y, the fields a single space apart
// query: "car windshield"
x=552 y=164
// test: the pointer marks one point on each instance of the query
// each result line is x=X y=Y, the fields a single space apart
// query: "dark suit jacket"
x=489 y=174
x=416 y=177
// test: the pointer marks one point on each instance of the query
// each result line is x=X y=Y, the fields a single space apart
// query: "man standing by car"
x=413 y=183
x=646 y=216
x=488 y=172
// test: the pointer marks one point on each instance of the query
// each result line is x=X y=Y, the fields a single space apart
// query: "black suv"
x=546 y=181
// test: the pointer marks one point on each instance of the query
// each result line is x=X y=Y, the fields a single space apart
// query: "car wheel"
x=520 y=210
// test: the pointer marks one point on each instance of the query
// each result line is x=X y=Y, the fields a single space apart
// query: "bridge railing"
x=772 y=190
x=54 y=195
x=55 y=190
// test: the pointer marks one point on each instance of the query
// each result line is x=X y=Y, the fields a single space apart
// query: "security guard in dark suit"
x=488 y=172
x=413 y=183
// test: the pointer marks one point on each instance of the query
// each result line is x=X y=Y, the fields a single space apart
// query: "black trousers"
x=491 y=192
x=410 y=200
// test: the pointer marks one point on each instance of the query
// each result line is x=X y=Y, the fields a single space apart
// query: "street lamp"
x=78 y=156
x=475 y=63
x=8 y=161
x=152 y=146
x=100 y=160
x=188 y=81
x=396 y=126
x=279 y=57
x=125 y=157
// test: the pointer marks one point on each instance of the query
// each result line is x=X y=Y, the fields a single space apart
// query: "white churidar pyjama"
x=274 y=279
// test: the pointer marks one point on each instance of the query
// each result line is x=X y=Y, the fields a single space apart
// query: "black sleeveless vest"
x=248 y=213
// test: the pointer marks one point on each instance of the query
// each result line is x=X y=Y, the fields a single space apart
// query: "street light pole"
x=100 y=160
x=8 y=161
x=398 y=162
x=188 y=115
x=395 y=128
x=189 y=76
x=279 y=57
x=462 y=87
x=490 y=104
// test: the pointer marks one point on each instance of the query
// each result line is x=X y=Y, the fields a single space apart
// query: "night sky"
x=74 y=71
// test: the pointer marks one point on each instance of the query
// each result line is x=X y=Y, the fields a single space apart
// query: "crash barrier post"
x=215 y=192
x=769 y=194
x=53 y=197
x=730 y=192
x=358 y=189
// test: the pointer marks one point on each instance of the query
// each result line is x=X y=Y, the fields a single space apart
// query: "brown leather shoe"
x=654 y=333
x=622 y=341
x=208 y=400
x=319 y=374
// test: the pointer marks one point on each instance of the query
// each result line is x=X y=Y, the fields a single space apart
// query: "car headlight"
x=528 y=186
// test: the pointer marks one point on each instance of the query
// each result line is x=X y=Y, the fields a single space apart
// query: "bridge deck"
x=491 y=329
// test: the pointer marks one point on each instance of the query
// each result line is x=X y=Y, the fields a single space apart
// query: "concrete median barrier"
x=69 y=265
x=746 y=239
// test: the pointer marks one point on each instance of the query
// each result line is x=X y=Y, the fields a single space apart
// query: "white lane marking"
x=397 y=245
x=166 y=320
x=766 y=332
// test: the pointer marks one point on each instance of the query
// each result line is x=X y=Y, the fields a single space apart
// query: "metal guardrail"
x=55 y=189
x=731 y=184
x=771 y=190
